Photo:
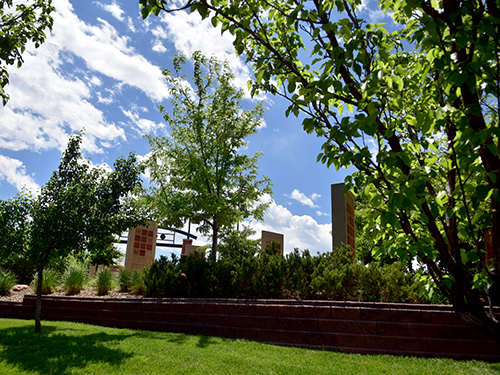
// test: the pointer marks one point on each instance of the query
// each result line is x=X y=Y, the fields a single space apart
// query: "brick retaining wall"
x=351 y=327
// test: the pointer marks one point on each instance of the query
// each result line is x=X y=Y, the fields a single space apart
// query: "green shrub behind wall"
x=330 y=276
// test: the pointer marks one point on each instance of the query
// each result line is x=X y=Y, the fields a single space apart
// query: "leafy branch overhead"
x=413 y=105
x=21 y=23
x=198 y=171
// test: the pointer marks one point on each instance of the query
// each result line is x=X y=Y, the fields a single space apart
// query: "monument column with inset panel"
x=269 y=237
x=343 y=226
x=141 y=246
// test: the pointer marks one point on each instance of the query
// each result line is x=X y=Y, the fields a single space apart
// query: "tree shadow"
x=181 y=338
x=170 y=337
x=57 y=353
x=205 y=341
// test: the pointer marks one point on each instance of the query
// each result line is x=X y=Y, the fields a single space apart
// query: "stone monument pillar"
x=343 y=227
x=189 y=249
x=141 y=246
x=268 y=237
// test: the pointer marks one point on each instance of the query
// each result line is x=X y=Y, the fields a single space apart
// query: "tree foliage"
x=78 y=207
x=423 y=124
x=198 y=171
x=237 y=244
x=21 y=23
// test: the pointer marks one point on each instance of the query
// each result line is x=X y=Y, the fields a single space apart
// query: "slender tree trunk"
x=215 y=234
x=480 y=318
x=38 y=312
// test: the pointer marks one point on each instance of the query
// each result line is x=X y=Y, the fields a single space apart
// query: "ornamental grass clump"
x=125 y=279
x=137 y=282
x=50 y=281
x=7 y=281
x=104 y=281
x=74 y=279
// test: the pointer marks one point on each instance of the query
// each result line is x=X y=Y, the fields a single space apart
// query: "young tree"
x=197 y=172
x=236 y=244
x=20 y=23
x=78 y=206
x=435 y=74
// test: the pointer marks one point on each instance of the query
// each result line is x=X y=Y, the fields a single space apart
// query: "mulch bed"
x=87 y=292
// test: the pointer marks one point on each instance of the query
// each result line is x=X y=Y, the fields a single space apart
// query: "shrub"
x=125 y=279
x=7 y=281
x=50 y=281
x=74 y=279
x=238 y=274
x=21 y=267
x=299 y=274
x=164 y=278
x=104 y=281
x=369 y=282
x=137 y=282
x=335 y=275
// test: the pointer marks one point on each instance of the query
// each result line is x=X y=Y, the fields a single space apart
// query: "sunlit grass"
x=74 y=348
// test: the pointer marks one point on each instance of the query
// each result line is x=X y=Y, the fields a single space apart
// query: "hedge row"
x=332 y=276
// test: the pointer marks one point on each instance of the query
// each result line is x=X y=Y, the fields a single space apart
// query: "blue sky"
x=100 y=69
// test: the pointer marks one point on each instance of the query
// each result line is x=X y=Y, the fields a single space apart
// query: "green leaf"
x=463 y=255
x=493 y=177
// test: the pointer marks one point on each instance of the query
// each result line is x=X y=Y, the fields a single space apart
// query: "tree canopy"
x=198 y=171
x=413 y=105
x=77 y=209
x=21 y=23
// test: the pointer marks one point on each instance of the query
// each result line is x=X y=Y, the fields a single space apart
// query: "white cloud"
x=110 y=98
x=114 y=9
x=45 y=107
x=146 y=175
x=159 y=47
x=190 y=33
x=95 y=81
x=375 y=14
x=373 y=148
x=117 y=12
x=302 y=232
x=49 y=101
x=159 y=32
x=104 y=51
x=302 y=198
x=159 y=36
x=142 y=125
x=14 y=172
x=130 y=24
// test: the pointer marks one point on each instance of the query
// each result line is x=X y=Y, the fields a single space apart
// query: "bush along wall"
x=265 y=275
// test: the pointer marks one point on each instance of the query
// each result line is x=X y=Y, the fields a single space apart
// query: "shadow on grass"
x=170 y=337
x=182 y=339
x=56 y=353
x=205 y=341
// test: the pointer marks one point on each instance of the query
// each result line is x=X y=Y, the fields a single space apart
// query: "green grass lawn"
x=74 y=348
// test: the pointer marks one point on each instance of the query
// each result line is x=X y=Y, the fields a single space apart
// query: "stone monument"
x=343 y=227
x=268 y=237
x=141 y=246
x=189 y=249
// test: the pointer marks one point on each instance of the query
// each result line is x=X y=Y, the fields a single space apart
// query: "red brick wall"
x=352 y=327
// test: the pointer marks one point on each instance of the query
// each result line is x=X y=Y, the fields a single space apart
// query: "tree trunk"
x=479 y=318
x=38 y=312
x=215 y=233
